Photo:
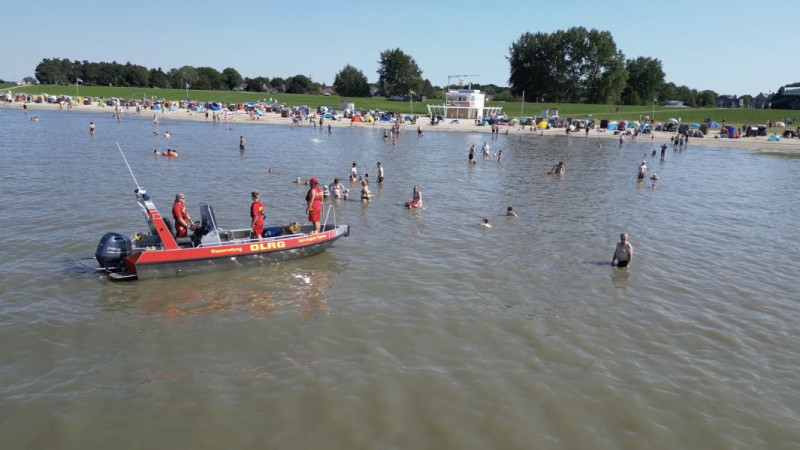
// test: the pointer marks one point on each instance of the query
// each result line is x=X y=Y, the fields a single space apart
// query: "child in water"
x=486 y=223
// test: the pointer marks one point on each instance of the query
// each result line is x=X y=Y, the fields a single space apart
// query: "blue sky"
x=732 y=47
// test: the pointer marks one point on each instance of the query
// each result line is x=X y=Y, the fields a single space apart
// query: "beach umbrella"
x=630 y=125
x=357 y=118
x=542 y=125
x=637 y=123
x=514 y=121
x=612 y=126
x=656 y=122
x=780 y=124
x=695 y=125
x=671 y=120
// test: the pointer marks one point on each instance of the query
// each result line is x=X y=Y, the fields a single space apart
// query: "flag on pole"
x=655 y=101
x=188 y=85
x=78 y=81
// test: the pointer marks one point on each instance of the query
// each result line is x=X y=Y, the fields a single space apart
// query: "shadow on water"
x=256 y=292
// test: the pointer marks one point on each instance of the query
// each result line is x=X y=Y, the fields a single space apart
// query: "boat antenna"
x=129 y=167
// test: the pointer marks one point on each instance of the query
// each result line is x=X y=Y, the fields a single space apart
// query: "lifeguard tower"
x=464 y=104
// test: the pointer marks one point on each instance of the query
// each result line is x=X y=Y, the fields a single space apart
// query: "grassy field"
x=734 y=117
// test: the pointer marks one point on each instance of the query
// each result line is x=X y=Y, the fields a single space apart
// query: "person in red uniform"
x=182 y=220
x=314 y=203
x=256 y=214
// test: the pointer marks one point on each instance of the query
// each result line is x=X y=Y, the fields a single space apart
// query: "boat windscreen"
x=208 y=219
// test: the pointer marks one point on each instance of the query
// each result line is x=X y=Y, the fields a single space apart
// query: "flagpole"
x=522 y=106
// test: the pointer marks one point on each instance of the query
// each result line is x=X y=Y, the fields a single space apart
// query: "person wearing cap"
x=182 y=220
x=256 y=214
x=314 y=203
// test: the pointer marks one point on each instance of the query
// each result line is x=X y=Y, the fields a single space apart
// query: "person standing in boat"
x=314 y=203
x=182 y=220
x=256 y=214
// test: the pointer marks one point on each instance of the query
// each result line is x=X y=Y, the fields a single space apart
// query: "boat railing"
x=327 y=214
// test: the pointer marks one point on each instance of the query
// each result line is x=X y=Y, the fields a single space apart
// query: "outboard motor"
x=113 y=247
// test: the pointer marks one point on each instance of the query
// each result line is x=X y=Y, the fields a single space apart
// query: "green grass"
x=733 y=117
x=7 y=85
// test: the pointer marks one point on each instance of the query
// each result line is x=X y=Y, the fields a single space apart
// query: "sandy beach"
x=753 y=143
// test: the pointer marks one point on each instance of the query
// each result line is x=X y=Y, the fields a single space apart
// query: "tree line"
x=585 y=66
x=571 y=66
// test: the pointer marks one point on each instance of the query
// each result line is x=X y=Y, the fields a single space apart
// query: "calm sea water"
x=420 y=330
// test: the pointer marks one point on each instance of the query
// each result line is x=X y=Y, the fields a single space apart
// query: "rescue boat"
x=158 y=253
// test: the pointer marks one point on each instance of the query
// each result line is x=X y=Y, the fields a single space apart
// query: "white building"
x=464 y=104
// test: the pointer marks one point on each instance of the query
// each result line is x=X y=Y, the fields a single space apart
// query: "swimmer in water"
x=486 y=223
x=510 y=212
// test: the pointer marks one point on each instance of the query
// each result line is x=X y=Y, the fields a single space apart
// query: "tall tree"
x=231 y=78
x=351 y=82
x=299 y=84
x=209 y=78
x=158 y=79
x=398 y=73
x=257 y=84
x=182 y=76
x=571 y=65
x=707 y=99
x=645 y=78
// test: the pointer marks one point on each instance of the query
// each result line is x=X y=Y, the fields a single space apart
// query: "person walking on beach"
x=623 y=254
x=91 y=128
x=256 y=214
x=241 y=143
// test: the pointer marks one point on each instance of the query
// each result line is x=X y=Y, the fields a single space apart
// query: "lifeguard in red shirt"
x=182 y=220
x=256 y=214
x=314 y=203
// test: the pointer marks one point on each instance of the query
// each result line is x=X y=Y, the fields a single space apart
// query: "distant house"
x=786 y=98
x=760 y=101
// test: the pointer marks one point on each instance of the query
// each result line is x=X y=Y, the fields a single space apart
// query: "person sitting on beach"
x=510 y=212
x=416 y=201
x=558 y=169
x=365 y=190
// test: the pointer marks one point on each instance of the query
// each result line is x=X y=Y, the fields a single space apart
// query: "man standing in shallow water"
x=623 y=254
